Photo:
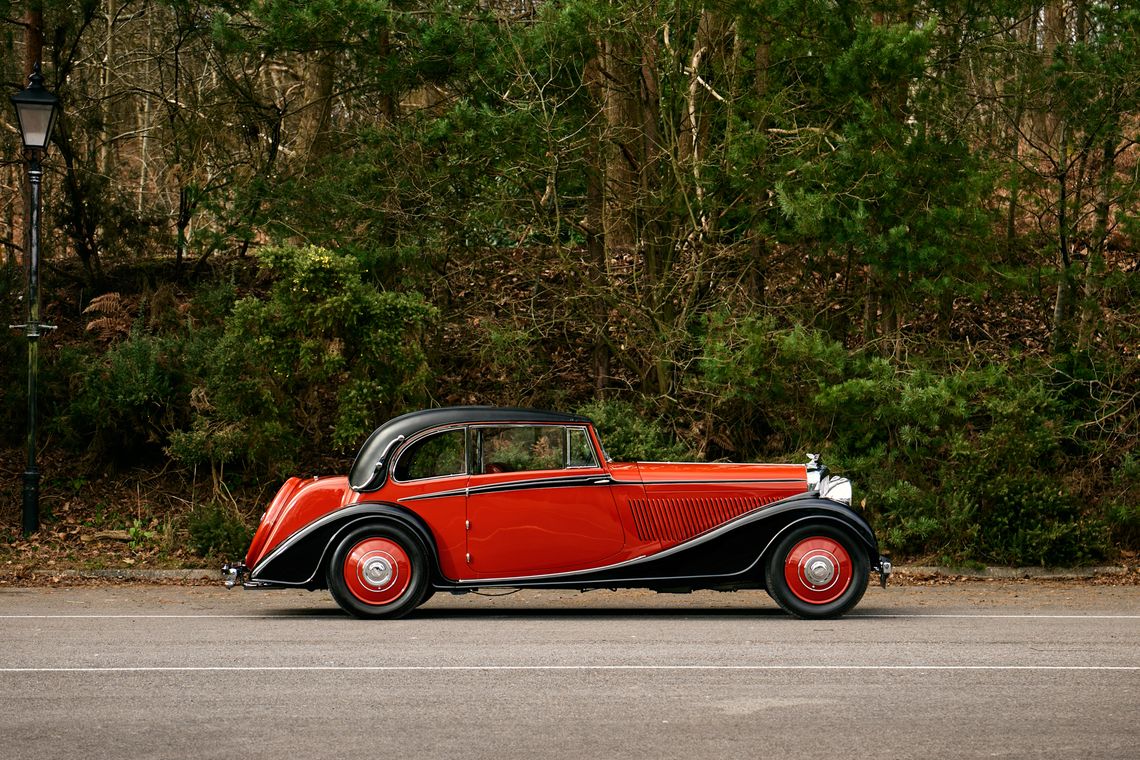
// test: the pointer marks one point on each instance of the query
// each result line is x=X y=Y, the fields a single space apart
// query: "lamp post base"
x=31 y=502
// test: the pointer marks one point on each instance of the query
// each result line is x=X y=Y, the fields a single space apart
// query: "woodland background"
x=902 y=234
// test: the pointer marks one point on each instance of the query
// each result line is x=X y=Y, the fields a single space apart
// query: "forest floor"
x=125 y=520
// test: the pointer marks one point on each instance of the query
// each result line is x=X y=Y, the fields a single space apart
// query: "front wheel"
x=378 y=571
x=817 y=571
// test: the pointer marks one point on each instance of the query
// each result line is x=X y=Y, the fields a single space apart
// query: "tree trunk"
x=1094 y=266
x=1063 y=300
x=620 y=76
x=1056 y=137
x=315 y=123
x=595 y=226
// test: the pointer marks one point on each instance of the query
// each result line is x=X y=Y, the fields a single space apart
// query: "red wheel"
x=378 y=571
x=817 y=571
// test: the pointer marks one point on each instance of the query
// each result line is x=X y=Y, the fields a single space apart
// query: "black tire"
x=828 y=595
x=378 y=572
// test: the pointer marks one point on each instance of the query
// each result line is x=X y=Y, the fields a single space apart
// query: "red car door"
x=538 y=502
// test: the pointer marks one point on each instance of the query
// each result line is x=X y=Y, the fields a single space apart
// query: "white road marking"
x=482 y=668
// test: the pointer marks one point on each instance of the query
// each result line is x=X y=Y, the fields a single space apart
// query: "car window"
x=581 y=449
x=518 y=448
x=433 y=457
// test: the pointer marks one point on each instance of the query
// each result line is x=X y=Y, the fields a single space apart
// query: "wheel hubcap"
x=818 y=570
x=377 y=571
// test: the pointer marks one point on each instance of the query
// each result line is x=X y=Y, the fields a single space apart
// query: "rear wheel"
x=378 y=571
x=817 y=571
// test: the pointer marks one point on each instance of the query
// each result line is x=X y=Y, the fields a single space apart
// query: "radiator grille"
x=673 y=520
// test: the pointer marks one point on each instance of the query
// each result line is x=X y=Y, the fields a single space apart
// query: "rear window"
x=434 y=456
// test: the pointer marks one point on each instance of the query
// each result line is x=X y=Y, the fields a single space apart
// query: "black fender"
x=300 y=559
x=791 y=513
x=738 y=549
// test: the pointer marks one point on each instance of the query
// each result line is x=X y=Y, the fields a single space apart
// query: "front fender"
x=793 y=512
x=299 y=560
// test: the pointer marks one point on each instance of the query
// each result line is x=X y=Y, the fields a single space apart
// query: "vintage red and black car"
x=463 y=498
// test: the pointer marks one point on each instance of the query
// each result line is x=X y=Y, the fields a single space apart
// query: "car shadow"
x=550 y=613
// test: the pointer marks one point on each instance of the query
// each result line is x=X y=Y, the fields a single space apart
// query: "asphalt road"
x=958 y=671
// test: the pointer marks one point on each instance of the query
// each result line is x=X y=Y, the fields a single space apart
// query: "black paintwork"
x=299 y=559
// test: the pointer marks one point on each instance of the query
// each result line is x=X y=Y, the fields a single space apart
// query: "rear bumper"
x=237 y=574
x=234 y=574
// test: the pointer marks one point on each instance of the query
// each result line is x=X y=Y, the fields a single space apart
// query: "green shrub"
x=631 y=437
x=761 y=380
x=312 y=366
x=217 y=530
x=1123 y=513
x=957 y=464
x=124 y=401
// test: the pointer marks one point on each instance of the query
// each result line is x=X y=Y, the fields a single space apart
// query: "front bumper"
x=884 y=569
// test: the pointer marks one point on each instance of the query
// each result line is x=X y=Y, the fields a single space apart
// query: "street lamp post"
x=36 y=109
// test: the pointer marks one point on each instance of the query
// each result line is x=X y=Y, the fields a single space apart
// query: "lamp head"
x=36 y=108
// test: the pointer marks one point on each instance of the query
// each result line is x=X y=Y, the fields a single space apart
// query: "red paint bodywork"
x=297 y=503
x=517 y=524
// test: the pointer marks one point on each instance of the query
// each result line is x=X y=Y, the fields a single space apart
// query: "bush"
x=631 y=437
x=216 y=530
x=761 y=380
x=983 y=450
x=124 y=402
x=958 y=464
x=313 y=365
x=1124 y=508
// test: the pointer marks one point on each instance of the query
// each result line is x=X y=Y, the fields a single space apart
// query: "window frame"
x=475 y=446
x=414 y=442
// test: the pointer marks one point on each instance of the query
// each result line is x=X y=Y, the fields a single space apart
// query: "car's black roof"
x=364 y=472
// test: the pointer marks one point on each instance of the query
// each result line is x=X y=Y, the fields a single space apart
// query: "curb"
x=131 y=573
x=1015 y=573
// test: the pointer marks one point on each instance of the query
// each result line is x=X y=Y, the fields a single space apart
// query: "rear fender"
x=300 y=559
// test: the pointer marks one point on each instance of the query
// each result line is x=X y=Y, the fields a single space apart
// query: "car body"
x=462 y=498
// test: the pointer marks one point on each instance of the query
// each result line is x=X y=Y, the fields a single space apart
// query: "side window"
x=433 y=457
x=580 y=448
x=522 y=447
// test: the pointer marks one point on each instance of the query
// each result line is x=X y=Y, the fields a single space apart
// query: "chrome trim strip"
x=706 y=482
x=437 y=495
x=567 y=481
